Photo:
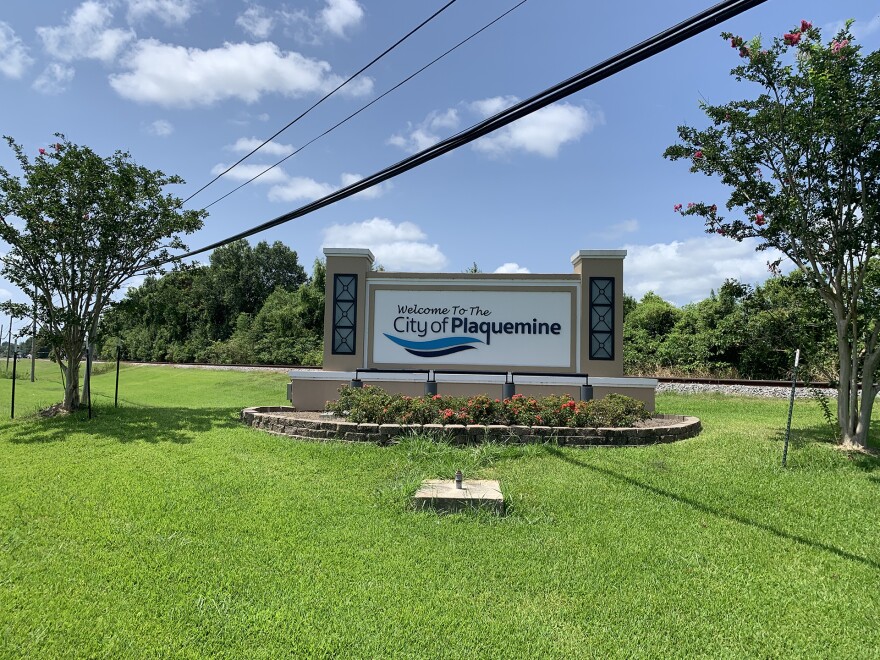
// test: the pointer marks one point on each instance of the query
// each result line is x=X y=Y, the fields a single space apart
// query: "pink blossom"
x=691 y=205
x=42 y=151
x=57 y=146
x=805 y=25
x=759 y=217
x=698 y=154
x=714 y=209
x=792 y=38
x=676 y=208
x=744 y=52
x=736 y=42
x=720 y=232
x=837 y=45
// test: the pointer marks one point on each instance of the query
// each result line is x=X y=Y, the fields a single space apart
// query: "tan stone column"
x=601 y=328
x=345 y=307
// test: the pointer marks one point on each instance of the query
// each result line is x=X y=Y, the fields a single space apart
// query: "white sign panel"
x=491 y=328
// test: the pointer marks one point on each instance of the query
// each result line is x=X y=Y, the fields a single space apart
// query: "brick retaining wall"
x=283 y=420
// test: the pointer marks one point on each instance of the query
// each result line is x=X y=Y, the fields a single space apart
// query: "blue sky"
x=186 y=85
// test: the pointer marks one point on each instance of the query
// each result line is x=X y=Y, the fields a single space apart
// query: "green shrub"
x=375 y=405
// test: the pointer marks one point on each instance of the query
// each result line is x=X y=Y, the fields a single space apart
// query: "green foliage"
x=375 y=405
x=248 y=305
x=738 y=331
x=87 y=224
x=802 y=162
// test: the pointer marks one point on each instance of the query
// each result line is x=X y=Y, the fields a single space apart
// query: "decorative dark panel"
x=344 y=314
x=601 y=318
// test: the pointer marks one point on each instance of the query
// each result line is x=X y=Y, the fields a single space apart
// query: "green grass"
x=167 y=528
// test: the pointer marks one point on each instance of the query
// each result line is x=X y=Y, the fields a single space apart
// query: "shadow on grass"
x=710 y=510
x=177 y=425
x=822 y=434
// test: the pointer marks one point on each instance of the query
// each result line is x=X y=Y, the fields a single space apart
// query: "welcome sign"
x=491 y=327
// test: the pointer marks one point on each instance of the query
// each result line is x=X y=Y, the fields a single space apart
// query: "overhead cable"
x=623 y=60
x=364 y=107
x=325 y=97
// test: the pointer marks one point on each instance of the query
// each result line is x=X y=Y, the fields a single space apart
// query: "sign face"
x=478 y=328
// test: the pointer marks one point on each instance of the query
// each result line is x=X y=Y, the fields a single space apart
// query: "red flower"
x=698 y=154
x=676 y=208
x=760 y=221
x=714 y=208
x=42 y=151
x=759 y=218
x=57 y=146
x=792 y=38
x=720 y=232
x=736 y=42
x=805 y=25
x=743 y=52
x=691 y=205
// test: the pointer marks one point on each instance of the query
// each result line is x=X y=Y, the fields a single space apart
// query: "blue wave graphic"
x=436 y=347
x=441 y=352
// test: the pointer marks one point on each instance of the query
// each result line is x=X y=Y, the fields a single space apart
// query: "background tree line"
x=257 y=305
x=247 y=305
x=739 y=331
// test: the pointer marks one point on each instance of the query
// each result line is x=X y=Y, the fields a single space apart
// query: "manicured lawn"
x=166 y=528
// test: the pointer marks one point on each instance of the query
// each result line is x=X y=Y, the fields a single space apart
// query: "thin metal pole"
x=116 y=396
x=797 y=359
x=14 y=362
x=89 y=378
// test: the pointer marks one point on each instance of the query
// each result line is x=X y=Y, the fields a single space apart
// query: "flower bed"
x=285 y=420
x=373 y=405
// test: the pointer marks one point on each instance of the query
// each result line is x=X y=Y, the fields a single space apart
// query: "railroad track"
x=693 y=381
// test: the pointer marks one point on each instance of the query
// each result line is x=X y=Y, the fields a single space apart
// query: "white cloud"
x=170 y=12
x=256 y=21
x=511 y=267
x=336 y=18
x=161 y=128
x=246 y=145
x=177 y=76
x=686 y=271
x=396 y=246
x=55 y=79
x=341 y=15
x=860 y=29
x=621 y=228
x=86 y=35
x=542 y=132
x=306 y=189
x=14 y=59
x=299 y=188
x=378 y=190
x=427 y=132
x=493 y=105
x=247 y=171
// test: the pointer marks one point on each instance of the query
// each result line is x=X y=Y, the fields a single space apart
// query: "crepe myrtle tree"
x=802 y=161
x=78 y=225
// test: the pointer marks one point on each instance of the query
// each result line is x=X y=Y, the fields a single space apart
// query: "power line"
x=362 y=108
x=623 y=60
x=326 y=96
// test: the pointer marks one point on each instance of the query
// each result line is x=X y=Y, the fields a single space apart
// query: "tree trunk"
x=845 y=392
x=71 y=384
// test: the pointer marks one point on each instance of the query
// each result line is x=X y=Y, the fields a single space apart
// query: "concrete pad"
x=442 y=494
